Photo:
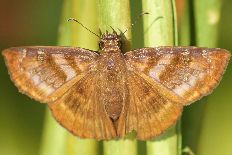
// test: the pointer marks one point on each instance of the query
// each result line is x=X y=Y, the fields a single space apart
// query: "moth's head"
x=110 y=40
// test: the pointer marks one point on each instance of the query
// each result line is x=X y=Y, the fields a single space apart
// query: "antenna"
x=136 y=20
x=75 y=20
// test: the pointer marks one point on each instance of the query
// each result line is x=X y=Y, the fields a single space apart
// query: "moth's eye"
x=101 y=44
x=119 y=43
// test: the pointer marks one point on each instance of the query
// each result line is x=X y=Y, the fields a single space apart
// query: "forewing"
x=189 y=72
x=45 y=73
x=81 y=112
x=148 y=112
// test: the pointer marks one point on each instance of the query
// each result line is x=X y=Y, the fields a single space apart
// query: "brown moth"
x=107 y=94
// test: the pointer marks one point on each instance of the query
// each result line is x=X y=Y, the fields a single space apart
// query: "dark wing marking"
x=81 y=112
x=189 y=72
x=148 y=112
x=45 y=73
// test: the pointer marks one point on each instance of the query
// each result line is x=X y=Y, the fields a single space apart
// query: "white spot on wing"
x=24 y=53
x=46 y=88
x=41 y=56
x=192 y=80
x=40 y=52
x=160 y=66
x=36 y=79
x=63 y=64
x=184 y=87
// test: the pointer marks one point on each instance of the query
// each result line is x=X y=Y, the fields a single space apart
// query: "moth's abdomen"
x=113 y=92
x=112 y=83
x=113 y=102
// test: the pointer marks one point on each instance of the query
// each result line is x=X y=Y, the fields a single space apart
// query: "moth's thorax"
x=110 y=42
x=112 y=80
x=111 y=46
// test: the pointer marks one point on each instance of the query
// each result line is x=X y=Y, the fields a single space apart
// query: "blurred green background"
x=27 y=22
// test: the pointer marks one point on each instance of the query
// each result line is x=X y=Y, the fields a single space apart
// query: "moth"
x=107 y=94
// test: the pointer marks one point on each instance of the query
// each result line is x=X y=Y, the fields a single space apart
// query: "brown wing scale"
x=148 y=112
x=189 y=72
x=45 y=73
x=159 y=81
x=80 y=111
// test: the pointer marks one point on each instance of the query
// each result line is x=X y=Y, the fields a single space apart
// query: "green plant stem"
x=158 y=25
x=56 y=140
x=86 y=13
x=207 y=16
x=117 y=14
x=192 y=115
x=54 y=137
x=184 y=31
x=205 y=121
x=160 y=30
x=217 y=110
x=82 y=38
x=120 y=147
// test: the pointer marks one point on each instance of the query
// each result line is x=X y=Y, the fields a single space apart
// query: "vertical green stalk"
x=207 y=16
x=56 y=140
x=209 y=122
x=80 y=37
x=86 y=13
x=159 y=25
x=184 y=31
x=191 y=120
x=117 y=14
x=216 y=123
x=193 y=114
x=160 y=30
x=54 y=136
